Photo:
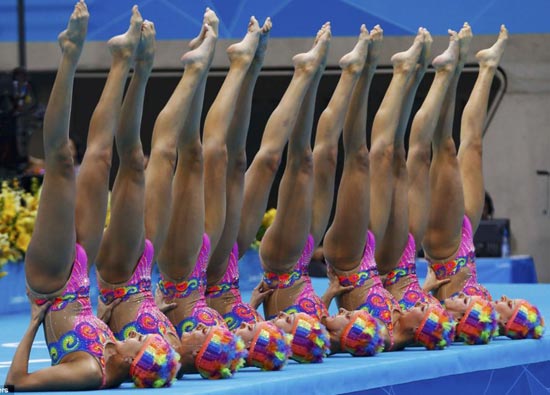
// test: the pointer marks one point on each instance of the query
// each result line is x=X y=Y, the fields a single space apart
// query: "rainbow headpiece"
x=362 y=336
x=310 y=343
x=156 y=364
x=479 y=323
x=270 y=347
x=437 y=329
x=221 y=355
x=525 y=323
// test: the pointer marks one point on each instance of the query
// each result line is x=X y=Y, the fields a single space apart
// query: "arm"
x=334 y=288
x=431 y=283
x=259 y=294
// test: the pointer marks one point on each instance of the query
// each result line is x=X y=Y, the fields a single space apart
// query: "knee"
x=327 y=154
x=240 y=162
x=101 y=157
x=382 y=151
x=213 y=150
x=304 y=162
x=420 y=155
x=134 y=159
x=269 y=159
x=473 y=145
x=361 y=158
x=164 y=153
x=448 y=147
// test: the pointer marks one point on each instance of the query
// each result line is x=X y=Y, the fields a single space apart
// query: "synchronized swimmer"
x=390 y=203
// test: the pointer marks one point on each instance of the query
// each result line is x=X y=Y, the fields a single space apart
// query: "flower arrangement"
x=18 y=210
x=268 y=219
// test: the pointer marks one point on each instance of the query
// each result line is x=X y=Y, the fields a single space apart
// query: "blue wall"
x=181 y=19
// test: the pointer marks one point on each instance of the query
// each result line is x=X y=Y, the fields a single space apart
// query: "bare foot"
x=125 y=45
x=426 y=53
x=376 y=37
x=211 y=19
x=447 y=60
x=259 y=55
x=244 y=51
x=316 y=57
x=464 y=39
x=406 y=61
x=71 y=40
x=145 y=54
x=354 y=61
x=490 y=57
x=202 y=55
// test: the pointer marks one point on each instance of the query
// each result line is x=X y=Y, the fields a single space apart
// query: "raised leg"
x=261 y=173
x=176 y=134
x=93 y=177
x=124 y=238
x=216 y=127
x=284 y=240
x=471 y=132
x=443 y=233
x=236 y=162
x=51 y=250
x=345 y=238
x=331 y=122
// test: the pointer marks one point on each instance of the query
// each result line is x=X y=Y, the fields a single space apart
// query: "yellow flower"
x=269 y=217
x=23 y=241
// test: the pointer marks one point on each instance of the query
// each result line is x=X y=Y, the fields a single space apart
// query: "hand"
x=39 y=312
x=104 y=311
x=334 y=286
x=162 y=304
x=431 y=283
x=259 y=294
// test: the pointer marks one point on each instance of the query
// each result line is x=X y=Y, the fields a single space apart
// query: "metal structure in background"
x=21 y=33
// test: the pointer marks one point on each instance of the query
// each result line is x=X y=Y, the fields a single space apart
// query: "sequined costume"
x=189 y=294
x=464 y=259
x=226 y=293
x=138 y=310
x=295 y=282
x=406 y=272
x=70 y=324
x=368 y=294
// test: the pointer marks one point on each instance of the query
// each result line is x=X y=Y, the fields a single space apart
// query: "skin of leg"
x=216 y=127
x=178 y=125
x=93 y=177
x=422 y=130
x=284 y=240
x=471 y=132
x=390 y=248
x=330 y=126
x=345 y=239
x=384 y=129
x=51 y=250
x=261 y=173
x=236 y=165
x=444 y=232
x=124 y=238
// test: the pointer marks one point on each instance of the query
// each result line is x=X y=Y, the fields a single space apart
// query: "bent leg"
x=51 y=250
x=471 y=132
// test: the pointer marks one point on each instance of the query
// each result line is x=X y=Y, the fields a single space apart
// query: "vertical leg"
x=51 y=250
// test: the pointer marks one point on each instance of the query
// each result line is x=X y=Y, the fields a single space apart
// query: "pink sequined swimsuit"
x=148 y=319
x=378 y=302
x=407 y=268
x=240 y=311
x=88 y=333
x=465 y=256
x=193 y=286
x=307 y=301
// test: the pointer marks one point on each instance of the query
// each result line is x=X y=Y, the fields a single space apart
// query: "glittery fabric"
x=88 y=333
x=148 y=318
x=465 y=257
x=378 y=301
x=194 y=286
x=307 y=301
x=406 y=271
x=240 y=311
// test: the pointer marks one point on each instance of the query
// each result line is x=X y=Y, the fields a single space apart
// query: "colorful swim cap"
x=525 y=323
x=310 y=343
x=156 y=364
x=221 y=355
x=362 y=336
x=479 y=323
x=270 y=347
x=437 y=329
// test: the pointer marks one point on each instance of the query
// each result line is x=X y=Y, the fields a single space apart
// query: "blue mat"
x=504 y=366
